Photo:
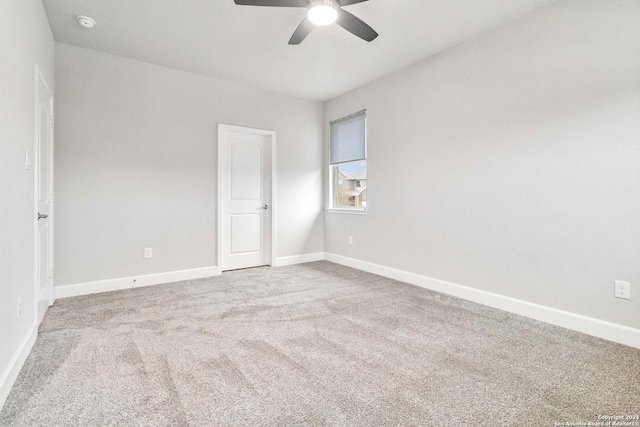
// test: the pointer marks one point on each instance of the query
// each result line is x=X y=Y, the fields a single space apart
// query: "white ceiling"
x=249 y=44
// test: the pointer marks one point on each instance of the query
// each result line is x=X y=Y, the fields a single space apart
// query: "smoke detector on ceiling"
x=86 y=22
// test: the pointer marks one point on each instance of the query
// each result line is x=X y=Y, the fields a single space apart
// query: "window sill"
x=347 y=211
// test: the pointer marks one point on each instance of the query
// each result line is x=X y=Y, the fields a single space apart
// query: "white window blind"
x=348 y=139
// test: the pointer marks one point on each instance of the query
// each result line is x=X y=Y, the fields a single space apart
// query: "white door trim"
x=39 y=77
x=222 y=128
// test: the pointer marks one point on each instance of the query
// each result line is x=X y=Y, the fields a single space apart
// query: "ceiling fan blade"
x=350 y=2
x=273 y=3
x=355 y=25
x=302 y=31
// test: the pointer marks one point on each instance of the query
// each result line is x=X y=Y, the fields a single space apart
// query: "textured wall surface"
x=25 y=40
x=136 y=158
x=510 y=162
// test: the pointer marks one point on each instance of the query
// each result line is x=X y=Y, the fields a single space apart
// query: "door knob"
x=265 y=207
x=41 y=216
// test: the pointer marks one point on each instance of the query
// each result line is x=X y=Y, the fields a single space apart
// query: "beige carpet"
x=312 y=344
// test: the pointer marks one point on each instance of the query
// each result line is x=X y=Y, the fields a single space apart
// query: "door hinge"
x=51 y=272
x=51 y=122
x=50 y=197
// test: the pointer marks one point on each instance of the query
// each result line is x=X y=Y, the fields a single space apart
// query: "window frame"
x=333 y=167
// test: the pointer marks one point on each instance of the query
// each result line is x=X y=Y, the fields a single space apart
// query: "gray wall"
x=510 y=163
x=136 y=153
x=25 y=40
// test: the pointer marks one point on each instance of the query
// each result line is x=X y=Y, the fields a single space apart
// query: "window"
x=348 y=162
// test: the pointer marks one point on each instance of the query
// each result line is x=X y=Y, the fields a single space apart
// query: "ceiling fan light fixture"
x=323 y=12
x=320 y=12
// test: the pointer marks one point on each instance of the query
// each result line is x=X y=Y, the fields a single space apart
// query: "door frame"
x=39 y=77
x=272 y=134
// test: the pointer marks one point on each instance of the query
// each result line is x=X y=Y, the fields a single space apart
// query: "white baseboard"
x=10 y=375
x=588 y=325
x=299 y=259
x=87 y=288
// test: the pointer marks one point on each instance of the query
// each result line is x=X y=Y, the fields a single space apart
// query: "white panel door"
x=44 y=195
x=245 y=197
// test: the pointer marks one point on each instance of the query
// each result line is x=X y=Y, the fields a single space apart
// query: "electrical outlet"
x=148 y=252
x=19 y=306
x=622 y=289
x=350 y=240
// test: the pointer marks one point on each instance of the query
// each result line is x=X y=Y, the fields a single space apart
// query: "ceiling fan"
x=320 y=12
